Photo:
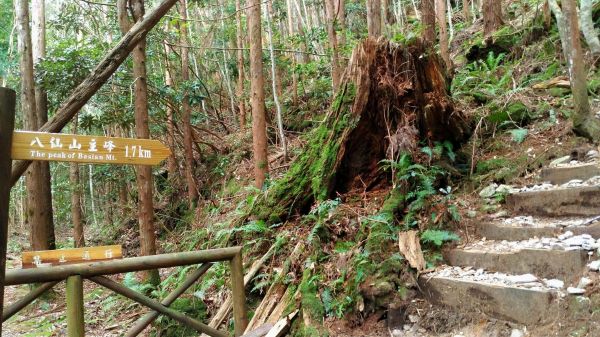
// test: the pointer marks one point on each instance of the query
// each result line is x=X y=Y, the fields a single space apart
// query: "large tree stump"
x=392 y=96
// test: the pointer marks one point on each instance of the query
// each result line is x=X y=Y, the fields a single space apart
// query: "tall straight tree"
x=38 y=32
x=257 y=98
x=188 y=138
x=336 y=72
x=142 y=130
x=76 y=210
x=440 y=10
x=374 y=17
x=428 y=20
x=492 y=16
x=42 y=230
x=240 y=63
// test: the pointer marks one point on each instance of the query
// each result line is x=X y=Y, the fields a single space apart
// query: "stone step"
x=556 y=202
x=563 y=174
x=536 y=304
x=523 y=228
x=566 y=265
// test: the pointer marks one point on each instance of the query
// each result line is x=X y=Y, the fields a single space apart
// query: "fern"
x=438 y=237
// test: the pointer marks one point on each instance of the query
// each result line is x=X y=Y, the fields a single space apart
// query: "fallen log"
x=391 y=98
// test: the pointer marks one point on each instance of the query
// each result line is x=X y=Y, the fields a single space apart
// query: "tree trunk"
x=257 y=100
x=41 y=102
x=547 y=15
x=428 y=19
x=440 y=10
x=466 y=10
x=336 y=72
x=340 y=19
x=76 y=212
x=386 y=89
x=587 y=26
x=275 y=75
x=584 y=121
x=240 y=63
x=171 y=161
x=142 y=130
x=188 y=140
x=492 y=16
x=374 y=17
x=42 y=232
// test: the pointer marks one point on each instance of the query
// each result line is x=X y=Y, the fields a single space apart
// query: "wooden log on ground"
x=391 y=98
x=86 y=89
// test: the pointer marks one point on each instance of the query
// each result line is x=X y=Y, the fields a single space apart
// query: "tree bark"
x=188 y=140
x=374 y=17
x=340 y=19
x=143 y=173
x=492 y=16
x=42 y=231
x=88 y=87
x=336 y=71
x=171 y=161
x=257 y=100
x=584 y=121
x=440 y=10
x=76 y=211
x=466 y=10
x=428 y=19
x=240 y=63
x=587 y=26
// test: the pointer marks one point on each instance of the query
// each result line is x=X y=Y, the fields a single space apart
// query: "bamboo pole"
x=143 y=322
x=7 y=121
x=55 y=273
x=240 y=317
x=12 y=309
x=146 y=301
x=75 y=320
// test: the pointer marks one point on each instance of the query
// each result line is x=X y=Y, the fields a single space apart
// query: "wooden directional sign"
x=87 y=149
x=45 y=258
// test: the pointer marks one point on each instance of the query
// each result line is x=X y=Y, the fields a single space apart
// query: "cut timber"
x=391 y=97
x=546 y=263
x=267 y=305
x=561 y=175
x=574 y=201
x=282 y=326
x=226 y=307
x=519 y=305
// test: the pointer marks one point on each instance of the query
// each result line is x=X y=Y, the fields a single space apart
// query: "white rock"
x=559 y=161
x=525 y=278
x=575 y=291
x=575 y=241
x=554 y=283
x=594 y=265
x=504 y=189
x=489 y=191
x=413 y=318
x=584 y=282
x=517 y=333
x=565 y=235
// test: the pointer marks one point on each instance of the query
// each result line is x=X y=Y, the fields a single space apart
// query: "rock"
x=413 y=318
x=504 y=189
x=575 y=291
x=565 y=235
x=525 y=278
x=584 y=282
x=575 y=241
x=554 y=283
x=592 y=154
x=517 y=333
x=501 y=214
x=558 y=161
x=489 y=191
x=594 y=265
x=471 y=213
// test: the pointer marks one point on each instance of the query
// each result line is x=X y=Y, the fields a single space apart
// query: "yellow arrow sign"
x=87 y=149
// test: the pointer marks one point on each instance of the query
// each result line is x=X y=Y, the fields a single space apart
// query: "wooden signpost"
x=59 y=257
x=87 y=149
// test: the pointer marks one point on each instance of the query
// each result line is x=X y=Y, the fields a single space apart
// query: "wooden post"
x=7 y=122
x=15 y=307
x=75 y=323
x=240 y=317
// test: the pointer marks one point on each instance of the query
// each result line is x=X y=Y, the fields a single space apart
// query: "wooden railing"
x=96 y=271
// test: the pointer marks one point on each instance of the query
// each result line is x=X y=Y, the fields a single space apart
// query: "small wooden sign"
x=87 y=149
x=46 y=258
